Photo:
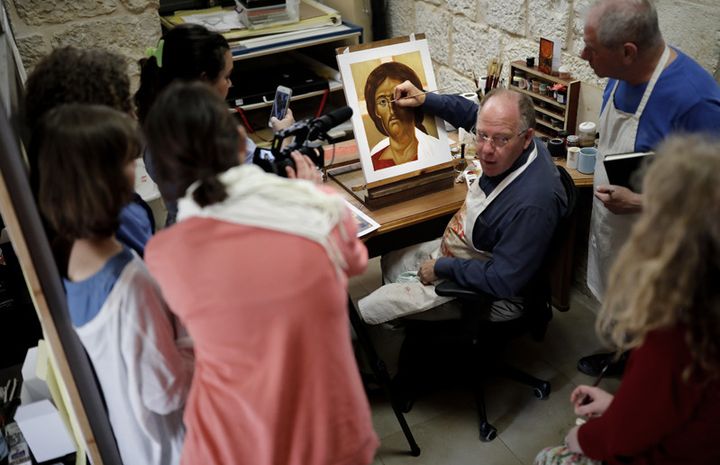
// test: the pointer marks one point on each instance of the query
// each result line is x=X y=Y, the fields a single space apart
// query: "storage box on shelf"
x=553 y=113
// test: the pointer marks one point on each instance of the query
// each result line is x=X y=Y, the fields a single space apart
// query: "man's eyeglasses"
x=496 y=141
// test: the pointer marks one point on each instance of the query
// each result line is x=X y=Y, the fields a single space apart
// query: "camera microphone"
x=324 y=123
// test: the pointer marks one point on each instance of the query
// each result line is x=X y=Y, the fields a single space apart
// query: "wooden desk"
x=426 y=215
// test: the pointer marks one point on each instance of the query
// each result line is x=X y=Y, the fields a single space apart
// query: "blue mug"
x=586 y=160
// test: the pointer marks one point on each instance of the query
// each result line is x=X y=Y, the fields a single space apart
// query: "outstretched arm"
x=456 y=110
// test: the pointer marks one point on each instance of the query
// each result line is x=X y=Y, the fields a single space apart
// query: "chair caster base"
x=487 y=432
x=543 y=391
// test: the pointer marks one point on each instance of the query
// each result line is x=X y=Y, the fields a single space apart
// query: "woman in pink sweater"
x=257 y=269
x=663 y=302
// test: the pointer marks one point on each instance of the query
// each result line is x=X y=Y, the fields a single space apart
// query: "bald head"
x=617 y=22
x=513 y=102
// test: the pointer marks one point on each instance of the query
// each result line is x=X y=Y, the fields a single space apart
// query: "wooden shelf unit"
x=551 y=115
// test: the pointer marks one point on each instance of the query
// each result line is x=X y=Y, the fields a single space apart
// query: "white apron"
x=404 y=294
x=608 y=231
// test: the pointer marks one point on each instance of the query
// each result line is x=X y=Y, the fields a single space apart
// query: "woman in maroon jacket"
x=663 y=302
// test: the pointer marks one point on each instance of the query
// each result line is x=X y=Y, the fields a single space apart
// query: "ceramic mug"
x=586 y=160
x=573 y=153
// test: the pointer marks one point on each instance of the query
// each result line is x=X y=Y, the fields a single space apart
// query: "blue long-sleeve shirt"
x=517 y=226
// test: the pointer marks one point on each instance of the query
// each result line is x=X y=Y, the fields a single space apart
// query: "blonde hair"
x=668 y=271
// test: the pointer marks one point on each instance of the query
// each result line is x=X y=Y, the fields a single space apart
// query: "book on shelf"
x=622 y=168
x=227 y=21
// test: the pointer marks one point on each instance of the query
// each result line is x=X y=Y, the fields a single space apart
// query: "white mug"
x=572 y=157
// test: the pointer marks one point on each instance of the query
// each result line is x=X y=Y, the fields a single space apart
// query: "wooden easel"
x=410 y=185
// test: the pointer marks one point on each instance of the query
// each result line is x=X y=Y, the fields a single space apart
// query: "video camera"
x=309 y=136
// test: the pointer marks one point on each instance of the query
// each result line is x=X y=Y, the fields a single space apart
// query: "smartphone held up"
x=280 y=103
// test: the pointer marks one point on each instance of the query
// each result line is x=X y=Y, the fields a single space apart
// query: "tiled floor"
x=444 y=422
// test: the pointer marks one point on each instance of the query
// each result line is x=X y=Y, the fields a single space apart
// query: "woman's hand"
x=304 y=168
x=280 y=124
x=590 y=401
x=571 y=441
x=619 y=200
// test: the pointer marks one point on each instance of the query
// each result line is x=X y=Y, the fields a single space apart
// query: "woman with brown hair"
x=257 y=268
x=86 y=167
x=664 y=303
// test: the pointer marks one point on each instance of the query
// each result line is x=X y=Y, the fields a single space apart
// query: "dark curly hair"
x=192 y=137
x=190 y=51
x=73 y=75
x=393 y=70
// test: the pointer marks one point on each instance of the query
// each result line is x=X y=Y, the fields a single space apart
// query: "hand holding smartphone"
x=281 y=103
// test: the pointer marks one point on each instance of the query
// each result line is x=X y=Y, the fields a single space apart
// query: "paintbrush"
x=418 y=94
x=586 y=400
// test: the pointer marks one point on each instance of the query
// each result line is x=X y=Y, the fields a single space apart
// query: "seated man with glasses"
x=496 y=242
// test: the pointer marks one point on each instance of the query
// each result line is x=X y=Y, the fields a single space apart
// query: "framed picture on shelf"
x=392 y=140
x=545 y=57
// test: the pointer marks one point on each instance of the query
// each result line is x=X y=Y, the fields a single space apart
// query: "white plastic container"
x=586 y=134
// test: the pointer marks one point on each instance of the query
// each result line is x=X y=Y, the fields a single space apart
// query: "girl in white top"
x=86 y=166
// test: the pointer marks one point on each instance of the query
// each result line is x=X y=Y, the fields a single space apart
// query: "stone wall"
x=465 y=34
x=126 y=27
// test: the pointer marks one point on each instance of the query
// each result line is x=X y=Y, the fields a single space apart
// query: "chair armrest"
x=453 y=289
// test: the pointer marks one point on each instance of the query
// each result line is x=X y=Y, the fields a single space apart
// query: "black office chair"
x=480 y=341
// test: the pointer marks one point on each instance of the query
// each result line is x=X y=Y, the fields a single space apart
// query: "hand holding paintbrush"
x=590 y=401
x=406 y=94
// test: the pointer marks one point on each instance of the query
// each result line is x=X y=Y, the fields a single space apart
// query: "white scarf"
x=263 y=200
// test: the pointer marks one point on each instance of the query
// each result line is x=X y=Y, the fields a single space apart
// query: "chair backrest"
x=538 y=293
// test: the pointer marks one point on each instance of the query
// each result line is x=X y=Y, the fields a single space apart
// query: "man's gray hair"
x=524 y=102
x=621 y=21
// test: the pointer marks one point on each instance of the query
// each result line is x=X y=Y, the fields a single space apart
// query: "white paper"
x=44 y=431
x=220 y=21
x=365 y=224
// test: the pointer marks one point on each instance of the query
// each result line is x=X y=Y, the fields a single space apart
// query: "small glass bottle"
x=572 y=141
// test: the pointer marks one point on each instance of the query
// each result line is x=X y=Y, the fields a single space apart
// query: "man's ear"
x=529 y=134
x=629 y=53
